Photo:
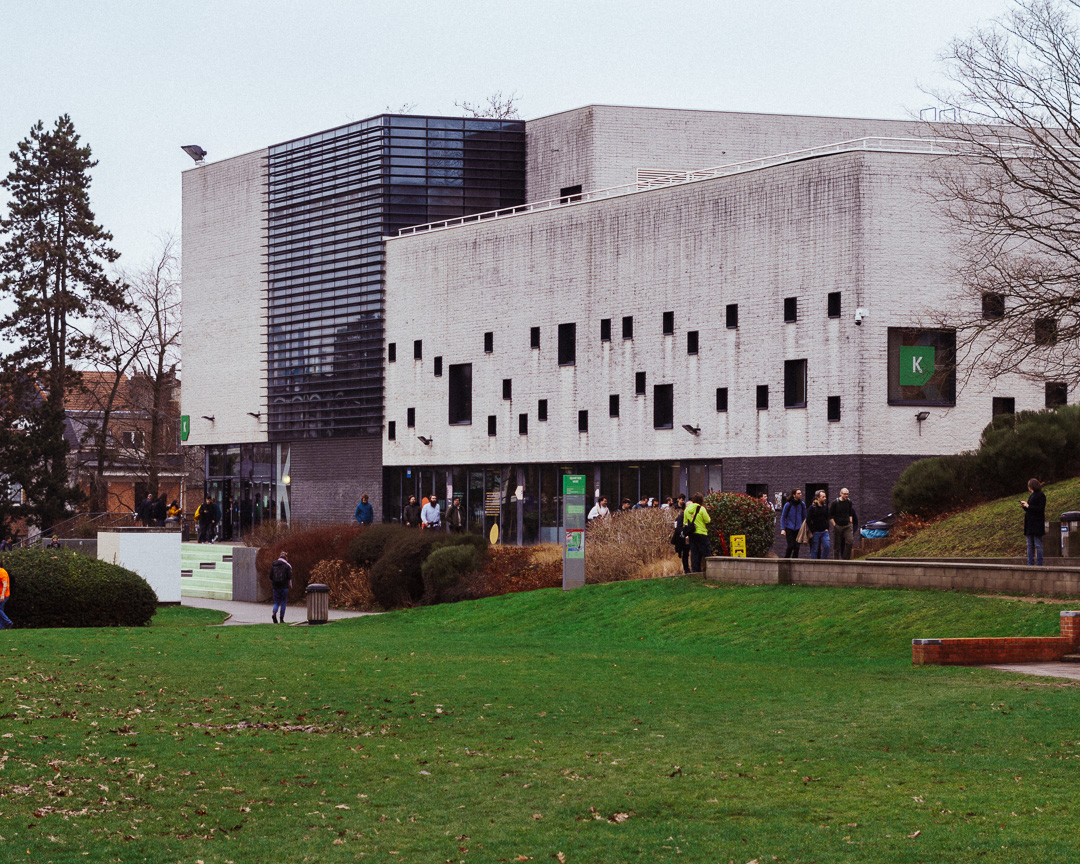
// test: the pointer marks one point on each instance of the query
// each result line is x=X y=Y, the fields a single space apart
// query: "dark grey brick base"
x=329 y=476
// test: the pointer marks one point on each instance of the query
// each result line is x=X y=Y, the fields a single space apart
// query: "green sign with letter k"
x=916 y=365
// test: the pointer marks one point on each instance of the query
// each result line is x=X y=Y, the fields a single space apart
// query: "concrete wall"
x=223 y=300
x=246 y=586
x=155 y=557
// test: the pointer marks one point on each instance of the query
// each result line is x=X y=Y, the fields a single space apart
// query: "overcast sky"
x=141 y=78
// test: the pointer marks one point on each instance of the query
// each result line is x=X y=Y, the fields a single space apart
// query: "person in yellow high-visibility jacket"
x=696 y=519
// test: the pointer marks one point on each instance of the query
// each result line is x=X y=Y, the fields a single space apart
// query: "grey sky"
x=141 y=78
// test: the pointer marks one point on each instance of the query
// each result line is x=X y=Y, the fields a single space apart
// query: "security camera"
x=860 y=313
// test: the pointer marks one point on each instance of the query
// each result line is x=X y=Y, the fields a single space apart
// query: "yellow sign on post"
x=738 y=545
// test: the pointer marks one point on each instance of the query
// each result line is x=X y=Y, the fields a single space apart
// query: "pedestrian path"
x=259 y=613
x=1052 y=670
x=206 y=570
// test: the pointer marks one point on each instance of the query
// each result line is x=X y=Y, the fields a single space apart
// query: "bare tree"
x=1011 y=189
x=497 y=106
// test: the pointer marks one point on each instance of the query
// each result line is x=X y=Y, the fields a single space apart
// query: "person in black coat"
x=1034 y=522
x=410 y=515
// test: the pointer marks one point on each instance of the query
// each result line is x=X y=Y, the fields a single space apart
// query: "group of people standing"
x=428 y=515
x=155 y=513
x=800 y=524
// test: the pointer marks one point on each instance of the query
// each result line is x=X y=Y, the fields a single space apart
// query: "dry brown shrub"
x=623 y=545
x=510 y=569
x=350 y=587
x=306 y=547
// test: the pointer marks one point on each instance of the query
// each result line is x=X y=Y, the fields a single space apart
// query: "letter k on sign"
x=916 y=365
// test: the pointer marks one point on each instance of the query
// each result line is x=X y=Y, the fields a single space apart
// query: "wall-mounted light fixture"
x=922 y=415
x=256 y=414
x=195 y=152
x=693 y=430
x=210 y=418
x=425 y=441
x=286 y=479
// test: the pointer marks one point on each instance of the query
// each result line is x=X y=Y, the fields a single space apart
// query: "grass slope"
x=989 y=530
x=642 y=721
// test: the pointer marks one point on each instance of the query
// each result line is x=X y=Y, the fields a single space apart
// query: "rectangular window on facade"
x=721 y=398
x=459 y=379
x=1057 y=393
x=391 y=352
x=605 y=329
x=541 y=409
x=628 y=327
x=613 y=405
x=534 y=337
x=921 y=366
x=794 y=383
x=410 y=418
x=1046 y=331
x=663 y=406
x=834 y=409
x=491 y=425
x=691 y=341
x=639 y=383
x=756 y=490
x=669 y=323
x=763 y=397
x=1003 y=405
x=391 y=431
x=582 y=421
x=570 y=194
x=508 y=388
x=834 y=304
x=791 y=309
x=567 y=344
x=732 y=316
x=489 y=342
x=438 y=367
x=523 y=424
x=993 y=305
x=418 y=349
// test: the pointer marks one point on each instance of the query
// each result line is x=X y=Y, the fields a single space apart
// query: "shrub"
x=622 y=545
x=935 y=485
x=396 y=578
x=735 y=513
x=368 y=545
x=350 y=587
x=446 y=565
x=57 y=588
x=510 y=569
x=479 y=542
x=306 y=548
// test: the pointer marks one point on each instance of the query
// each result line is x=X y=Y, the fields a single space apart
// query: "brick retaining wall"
x=1009 y=649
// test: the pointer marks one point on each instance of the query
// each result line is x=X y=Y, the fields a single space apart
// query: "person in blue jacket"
x=791 y=519
x=365 y=513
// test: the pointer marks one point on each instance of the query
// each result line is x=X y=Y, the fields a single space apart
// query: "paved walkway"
x=1052 y=670
x=259 y=613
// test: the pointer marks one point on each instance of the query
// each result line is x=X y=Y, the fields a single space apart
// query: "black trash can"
x=318 y=603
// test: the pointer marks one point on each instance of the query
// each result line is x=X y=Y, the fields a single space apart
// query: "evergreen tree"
x=52 y=272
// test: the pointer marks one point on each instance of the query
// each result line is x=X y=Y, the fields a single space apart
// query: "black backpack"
x=279 y=574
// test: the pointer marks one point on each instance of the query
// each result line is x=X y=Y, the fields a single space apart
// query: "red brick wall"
x=1008 y=649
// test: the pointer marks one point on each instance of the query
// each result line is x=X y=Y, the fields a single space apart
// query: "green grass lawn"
x=642 y=721
x=995 y=529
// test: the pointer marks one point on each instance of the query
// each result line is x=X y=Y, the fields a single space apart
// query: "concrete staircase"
x=206 y=571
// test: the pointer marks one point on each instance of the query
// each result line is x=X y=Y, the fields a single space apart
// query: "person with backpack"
x=280 y=583
x=791 y=521
x=696 y=519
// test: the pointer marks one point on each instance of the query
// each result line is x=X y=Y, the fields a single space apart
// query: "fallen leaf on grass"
x=523 y=858
x=341 y=807
x=538 y=816
x=619 y=817
x=561 y=857
x=913 y=836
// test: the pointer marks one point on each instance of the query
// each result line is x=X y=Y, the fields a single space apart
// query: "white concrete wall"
x=223 y=274
x=855 y=223
x=155 y=557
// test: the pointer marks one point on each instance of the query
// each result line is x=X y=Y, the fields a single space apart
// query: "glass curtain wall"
x=240 y=481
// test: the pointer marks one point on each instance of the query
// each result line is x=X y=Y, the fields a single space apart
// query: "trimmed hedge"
x=736 y=513
x=446 y=565
x=57 y=588
x=305 y=548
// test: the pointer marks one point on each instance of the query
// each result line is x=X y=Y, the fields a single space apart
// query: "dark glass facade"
x=332 y=197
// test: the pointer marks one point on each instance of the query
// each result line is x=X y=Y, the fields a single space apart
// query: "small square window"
x=491 y=425
x=1046 y=331
x=508 y=388
x=438 y=367
x=732 y=316
x=582 y=421
x=410 y=418
x=391 y=430
x=763 y=397
x=834 y=304
x=1003 y=405
x=613 y=405
x=534 y=337
x=691 y=341
x=791 y=309
x=523 y=424
x=489 y=342
x=993 y=305
x=541 y=409
x=628 y=327
x=605 y=329
x=1057 y=394
x=834 y=409
x=639 y=383
x=418 y=349
x=391 y=352
x=721 y=399
x=669 y=323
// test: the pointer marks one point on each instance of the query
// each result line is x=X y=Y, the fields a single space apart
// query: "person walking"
x=410 y=514
x=145 y=513
x=842 y=518
x=817 y=521
x=161 y=511
x=599 y=509
x=280 y=583
x=1034 y=522
x=365 y=513
x=431 y=515
x=207 y=517
x=5 y=592
x=679 y=535
x=455 y=516
x=696 y=518
x=791 y=520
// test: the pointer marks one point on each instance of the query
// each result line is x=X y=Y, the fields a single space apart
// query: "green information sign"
x=185 y=426
x=574 y=492
x=916 y=365
x=574 y=484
